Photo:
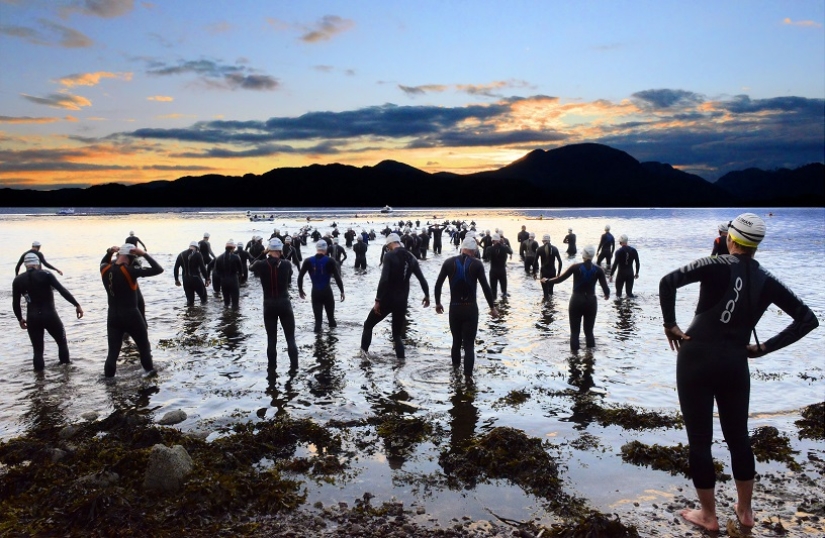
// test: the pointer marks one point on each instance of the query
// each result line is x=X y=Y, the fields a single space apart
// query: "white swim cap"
x=748 y=230
x=321 y=245
x=335 y=240
x=496 y=237
x=193 y=244
x=126 y=250
x=570 y=230
x=393 y=238
x=723 y=227
x=359 y=238
x=31 y=259
x=623 y=238
x=288 y=239
x=206 y=235
x=607 y=228
x=532 y=235
x=239 y=245
x=469 y=243
x=35 y=244
x=230 y=243
x=588 y=252
x=546 y=238
x=131 y=233
x=276 y=244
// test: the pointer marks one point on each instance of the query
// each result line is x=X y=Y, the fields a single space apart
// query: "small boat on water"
x=66 y=211
x=261 y=218
x=386 y=209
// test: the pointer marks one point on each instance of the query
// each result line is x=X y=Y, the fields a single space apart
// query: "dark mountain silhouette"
x=803 y=186
x=578 y=175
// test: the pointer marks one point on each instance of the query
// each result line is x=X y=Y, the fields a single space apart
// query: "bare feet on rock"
x=700 y=519
x=745 y=517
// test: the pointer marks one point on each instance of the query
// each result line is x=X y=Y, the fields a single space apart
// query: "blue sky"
x=94 y=91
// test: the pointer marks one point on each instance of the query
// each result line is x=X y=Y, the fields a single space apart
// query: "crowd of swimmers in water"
x=712 y=353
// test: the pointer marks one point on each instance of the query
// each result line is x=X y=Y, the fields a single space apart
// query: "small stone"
x=167 y=468
x=172 y=417
x=420 y=510
x=357 y=530
x=319 y=505
x=57 y=454
x=409 y=528
x=342 y=505
x=69 y=431
x=91 y=416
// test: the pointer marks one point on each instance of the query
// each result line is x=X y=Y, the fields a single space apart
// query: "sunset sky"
x=99 y=91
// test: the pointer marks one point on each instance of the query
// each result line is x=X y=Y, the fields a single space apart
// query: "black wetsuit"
x=134 y=240
x=321 y=269
x=548 y=255
x=193 y=267
x=498 y=254
x=464 y=273
x=392 y=294
x=337 y=253
x=349 y=237
x=605 y=250
x=256 y=251
x=720 y=246
x=521 y=238
x=213 y=274
x=529 y=247
x=230 y=268
x=124 y=316
x=360 y=249
x=583 y=303
x=423 y=245
x=570 y=241
x=36 y=286
x=43 y=261
x=436 y=231
x=206 y=251
x=625 y=258
x=735 y=291
x=275 y=275
x=292 y=254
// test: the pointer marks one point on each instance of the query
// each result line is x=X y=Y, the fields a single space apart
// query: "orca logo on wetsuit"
x=729 y=308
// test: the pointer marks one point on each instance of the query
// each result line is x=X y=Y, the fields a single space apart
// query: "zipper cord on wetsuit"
x=750 y=305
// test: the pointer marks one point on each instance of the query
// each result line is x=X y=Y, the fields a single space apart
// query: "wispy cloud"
x=53 y=35
x=667 y=98
x=326 y=28
x=804 y=24
x=107 y=9
x=492 y=89
x=91 y=79
x=175 y=116
x=217 y=28
x=216 y=75
x=161 y=98
x=26 y=119
x=423 y=89
x=60 y=100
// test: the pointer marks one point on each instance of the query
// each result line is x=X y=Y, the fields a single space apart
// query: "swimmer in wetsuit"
x=607 y=244
x=321 y=269
x=35 y=285
x=275 y=274
x=360 y=250
x=570 y=241
x=464 y=273
x=392 y=294
x=713 y=353
x=191 y=262
x=120 y=280
x=583 y=303
x=134 y=240
x=36 y=251
x=497 y=255
x=206 y=249
x=548 y=255
x=528 y=250
x=230 y=268
x=626 y=257
x=720 y=244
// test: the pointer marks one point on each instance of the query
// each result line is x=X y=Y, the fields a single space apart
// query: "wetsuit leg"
x=590 y=310
x=464 y=326
x=503 y=281
x=135 y=325
x=369 y=324
x=575 y=313
x=494 y=282
x=216 y=283
x=141 y=304
x=271 y=326
x=399 y=328
x=317 y=309
x=629 y=280
x=603 y=256
x=189 y=290
x=287 y=318
x=437 y=247
x=329 y=306
x=114 y=333
x=58 y=332
x=36 y=329
x=732 y=402
x=547 y=272
x=231 y=291
x=199 y=288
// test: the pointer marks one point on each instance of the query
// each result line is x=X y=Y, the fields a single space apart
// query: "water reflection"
x=45 y=414
x=547 y=317
x=626 y=310
x=581 y=368
x=280 y=397
x=231 y=337
x=324 y=378
x=463 y=418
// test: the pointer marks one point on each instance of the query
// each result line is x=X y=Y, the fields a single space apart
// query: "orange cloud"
x=161 y=98
x=91 y=79
x=807 y=24
x=60 y=100
x=27 y=119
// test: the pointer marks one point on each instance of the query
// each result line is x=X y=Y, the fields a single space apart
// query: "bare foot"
x=745 y=517
x=699 y=518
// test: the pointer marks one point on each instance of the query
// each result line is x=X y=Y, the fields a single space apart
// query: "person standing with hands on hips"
x=712 y=361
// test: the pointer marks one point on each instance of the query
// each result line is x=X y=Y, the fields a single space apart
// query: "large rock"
x=167 y=468
x=172 y=417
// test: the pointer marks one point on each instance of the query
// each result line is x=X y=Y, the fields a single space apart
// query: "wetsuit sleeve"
x=416 y=269
x=804 y=320
x=615 y=265
x=63 y=291
x=153 y=269
x=176 y=270
x=485 y=286
x=715 y=250
x=202 y=266
x=301 y=273
x=636 y=261
x=45 y=263
x=558 y=258
x=439 y=282
x=336 y=273
x=19 y=263
x=16 y=293
x=565 y=275
x=674 y=280
x=384 y=281
x=603 y=282
x=107 y=258
x=142 y=244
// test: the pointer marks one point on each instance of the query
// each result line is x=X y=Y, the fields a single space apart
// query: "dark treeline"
x=580 y=175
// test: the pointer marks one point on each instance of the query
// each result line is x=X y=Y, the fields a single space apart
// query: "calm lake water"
x=212 y=361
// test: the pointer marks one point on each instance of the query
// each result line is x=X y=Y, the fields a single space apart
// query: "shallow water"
x=212 y=361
